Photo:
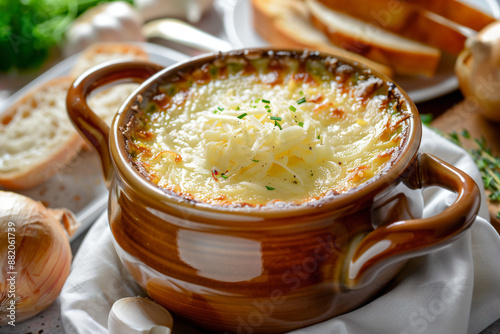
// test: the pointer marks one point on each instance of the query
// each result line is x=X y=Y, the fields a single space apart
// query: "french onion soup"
x=245 y=130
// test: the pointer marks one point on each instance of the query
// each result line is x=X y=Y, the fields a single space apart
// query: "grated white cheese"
x=245 y=141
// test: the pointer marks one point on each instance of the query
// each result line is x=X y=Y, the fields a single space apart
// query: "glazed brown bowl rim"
x=353 y=197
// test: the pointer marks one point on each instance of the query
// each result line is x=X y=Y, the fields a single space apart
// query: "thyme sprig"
x=488 y=165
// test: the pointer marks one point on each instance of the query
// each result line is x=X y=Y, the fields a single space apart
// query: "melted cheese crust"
x=241 y=140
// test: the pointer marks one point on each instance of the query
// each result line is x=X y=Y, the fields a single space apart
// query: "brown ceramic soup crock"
x=240 y=269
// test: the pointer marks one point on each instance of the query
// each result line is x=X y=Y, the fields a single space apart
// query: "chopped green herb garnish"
x=292 y=108
x=301 y=124
x=278 y=125
x=301 y=93
x=242 y=115
x=266 y=101
x=224 y=176
x=276 y=118
x=235 y=67
x=268 y=108
x=319 y=136
x=170 y=90
x=220 y=108
x=302 y=100
x=255 y=160
x=151 y=108
x=215 y=111
x=238 y=108
x=270 y=188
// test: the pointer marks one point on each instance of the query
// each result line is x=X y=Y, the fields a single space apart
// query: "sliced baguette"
x=37 y=136
x=102 y=52
x=405 y=56
x=285 y=23
x=107 y=102
x=38 y=139
x=456 y=11
x=405 y=19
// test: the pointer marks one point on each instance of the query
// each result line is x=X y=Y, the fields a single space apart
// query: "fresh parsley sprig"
x=30 y=30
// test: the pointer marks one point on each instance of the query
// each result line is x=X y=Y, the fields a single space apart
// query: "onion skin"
x=478 y=71
x=42 y=254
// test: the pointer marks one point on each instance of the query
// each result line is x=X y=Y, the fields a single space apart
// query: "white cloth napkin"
x=455 y=290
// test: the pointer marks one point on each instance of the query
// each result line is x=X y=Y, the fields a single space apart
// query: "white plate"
x=238 y=22
x=79 y=186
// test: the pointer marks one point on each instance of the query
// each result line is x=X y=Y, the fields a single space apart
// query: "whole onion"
x=478 y=70
x=35 y=255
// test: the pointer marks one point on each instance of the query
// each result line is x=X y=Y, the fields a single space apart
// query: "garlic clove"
x=160 y=330
x=115 y=21
x=192 y=10
x=137 y=315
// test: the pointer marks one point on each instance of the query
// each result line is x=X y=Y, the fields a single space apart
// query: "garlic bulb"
x=35 y=256
x=136 y=315
x=478 y=70
x=115 y=21
x=192 y=10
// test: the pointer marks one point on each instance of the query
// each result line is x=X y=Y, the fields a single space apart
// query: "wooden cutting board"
x=465 y=115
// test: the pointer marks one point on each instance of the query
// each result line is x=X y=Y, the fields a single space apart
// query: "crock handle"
x=400 y=240
x=90 y=126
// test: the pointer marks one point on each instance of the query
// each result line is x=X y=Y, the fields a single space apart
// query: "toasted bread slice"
x=102 y=52
x=403 y=55
x=37 y=136
x=285 y=23
x=107 y=102
x=457 y=11
x=405 y=19
x=38 y=139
